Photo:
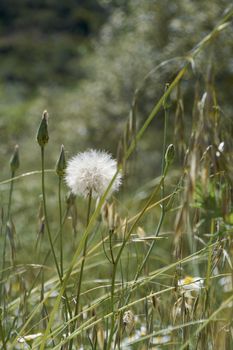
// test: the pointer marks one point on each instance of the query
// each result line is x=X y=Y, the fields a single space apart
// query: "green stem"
x=45 y=212
x=112 y=306
x=7 y=219
x=81 y=268
x=48 y=228
x=2 y=334
x=114 y=270
x=2 y=295
x=10 y=196
x=209 y=265
x=60 y=222
x=47 y=255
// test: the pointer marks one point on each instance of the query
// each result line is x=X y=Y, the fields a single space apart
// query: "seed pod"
x=42 y=133
x=14 y=161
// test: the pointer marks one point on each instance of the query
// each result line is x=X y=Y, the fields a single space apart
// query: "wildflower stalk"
x=60 y=224
x=67 y=308
x=45 y=261
x=7 y=219
x=82 y=267
x=48 y=230
x=14 y=165
x=110 y=337
x=112 y=293
x=42 y=138
x=60 y=170
x=45 y=211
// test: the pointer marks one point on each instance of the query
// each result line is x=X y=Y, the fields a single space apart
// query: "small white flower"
x=220 y=149
x=28 y=338
x=191 y=283
x=91 y=171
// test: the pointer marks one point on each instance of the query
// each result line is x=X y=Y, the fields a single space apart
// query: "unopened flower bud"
x=42 y=133
x=14 y=161
x=61 y=163
x=170 y=154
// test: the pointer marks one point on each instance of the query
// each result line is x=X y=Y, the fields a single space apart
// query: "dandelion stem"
x=82 y=266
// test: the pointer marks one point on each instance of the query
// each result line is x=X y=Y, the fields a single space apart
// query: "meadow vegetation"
x=134 y=253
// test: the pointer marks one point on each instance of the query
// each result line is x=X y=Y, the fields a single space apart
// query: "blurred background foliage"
x=83 y=61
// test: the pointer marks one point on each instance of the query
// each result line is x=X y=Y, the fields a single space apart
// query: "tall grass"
x=123 y=279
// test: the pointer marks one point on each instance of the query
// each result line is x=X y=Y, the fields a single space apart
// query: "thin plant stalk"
x=7 y=219
x=82 y=266
x=114 y=270
x=61 y=223
x=208 y=272
x=61 y=226
x=162 y=214
x=48 y=228
x=48 y=253
x=45 y=211
x=2 y=295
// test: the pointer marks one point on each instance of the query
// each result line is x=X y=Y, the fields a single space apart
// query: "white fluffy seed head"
x=91 y=171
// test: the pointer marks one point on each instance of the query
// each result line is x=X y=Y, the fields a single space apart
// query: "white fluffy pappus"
x=92 y=171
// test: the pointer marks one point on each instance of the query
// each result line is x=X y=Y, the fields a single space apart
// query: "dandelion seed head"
x=91 y=171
